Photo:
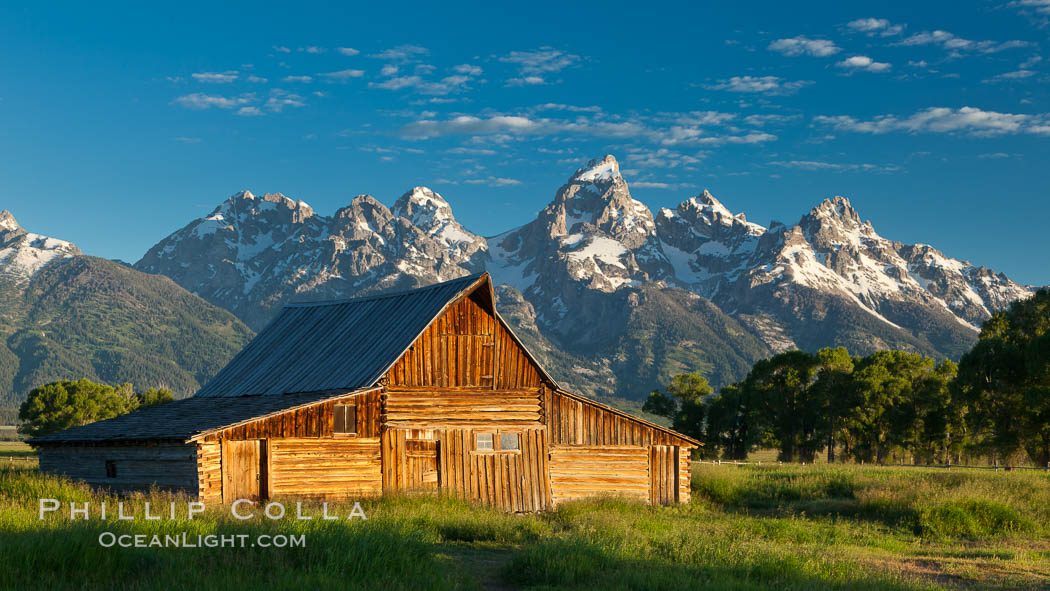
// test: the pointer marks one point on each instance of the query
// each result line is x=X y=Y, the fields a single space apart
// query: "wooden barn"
x=427 y=389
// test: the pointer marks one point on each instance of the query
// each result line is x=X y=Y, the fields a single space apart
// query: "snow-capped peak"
x=836 y=207
x=422 y=206
x=8 y=222
x=22 y=253
x=606 y=169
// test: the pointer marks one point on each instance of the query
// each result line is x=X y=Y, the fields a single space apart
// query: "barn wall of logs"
x=209 y=472
x=573 y=420
x=325 y=468
x=125 y=468
x=314 y=420
x=579 y=471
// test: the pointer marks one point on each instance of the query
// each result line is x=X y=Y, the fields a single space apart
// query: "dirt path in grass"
x=485 y=564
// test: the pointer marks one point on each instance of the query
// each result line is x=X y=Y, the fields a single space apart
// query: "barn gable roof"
x=341 y=344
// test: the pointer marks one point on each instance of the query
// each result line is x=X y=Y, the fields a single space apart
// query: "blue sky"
x=121 y=123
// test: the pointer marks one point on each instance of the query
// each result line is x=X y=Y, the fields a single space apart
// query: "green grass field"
x=789 y=527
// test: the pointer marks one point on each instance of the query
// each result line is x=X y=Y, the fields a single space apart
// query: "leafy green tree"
x=154 y=396
x=789 y=405
x=64 y=404
x=835 y=391
x=1005 y=381
x=683 y=403
x=734 y=422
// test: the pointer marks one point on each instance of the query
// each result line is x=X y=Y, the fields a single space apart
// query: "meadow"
x=747 y=527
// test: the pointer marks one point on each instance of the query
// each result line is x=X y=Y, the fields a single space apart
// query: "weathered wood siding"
x=465 y=347
x=664 y=474
x=138 y=467
x=325 y=468
x=440 y=409
x=580 y=471
x=685 y=475
x=511 y=480
x=576 y=421
x=309 y=421
x=209 y=472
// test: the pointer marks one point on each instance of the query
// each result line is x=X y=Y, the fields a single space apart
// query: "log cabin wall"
x=435 y=408
x=572 y=420
x=315 y=420
x=465 y=347
x=209 y=472
x=125 y=468
x=580 y=471
x=685 y=476
x=325 y=468
x=514 y=480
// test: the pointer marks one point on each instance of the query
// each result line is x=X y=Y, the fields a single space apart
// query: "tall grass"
x=746 y=528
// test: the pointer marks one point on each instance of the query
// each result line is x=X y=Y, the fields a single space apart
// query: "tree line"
x=66 y=403
x=889 y=406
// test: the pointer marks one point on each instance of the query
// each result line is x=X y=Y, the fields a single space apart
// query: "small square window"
x=111 y=469
x=508 y=441
x=344 y=417
x=483 y=441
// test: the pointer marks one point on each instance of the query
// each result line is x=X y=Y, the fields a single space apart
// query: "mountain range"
x=65 y=315
x=612 y=298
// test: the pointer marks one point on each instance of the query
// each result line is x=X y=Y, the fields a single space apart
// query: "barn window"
x=483 y=441
x=111 y=469
x=345 y=418
x=508 y=441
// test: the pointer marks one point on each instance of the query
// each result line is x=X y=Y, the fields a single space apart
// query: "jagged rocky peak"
x=604 y=170
x=23 y=253
x=247 y=202
x=423 y=207
x=8 y=222
x=596 y=195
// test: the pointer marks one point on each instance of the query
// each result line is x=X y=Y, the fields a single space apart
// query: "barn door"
x=421 y=458
x=243 y=470
x=663 y=474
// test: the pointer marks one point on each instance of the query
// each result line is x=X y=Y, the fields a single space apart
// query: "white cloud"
x=254 y=78
x=468 y=69
x=526 y=81
x=202 y=101
x=347 y=50
x=771 y=85
x=814 y=165
x=472 y=151
x=1038 y=6
x=680 y=131
x=298 y=78
x=865 y=63
x=951 y=42
x=187 y=140
x=216 y=77
x=800 y=45
x=441 y=87
x=1008 y=76
x=539 y=61
x=388 y=70
x=493 y=182
x=279 y=99
x=401 y=53
x=570 y=108
x=281 y=49
x=344 y=74
x=966 y=120
x=249 y=111
x=993 y=156
x=659 y=158
x=875 y=26
x=313 y=49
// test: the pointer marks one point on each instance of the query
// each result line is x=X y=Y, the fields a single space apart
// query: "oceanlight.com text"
x=185 y=540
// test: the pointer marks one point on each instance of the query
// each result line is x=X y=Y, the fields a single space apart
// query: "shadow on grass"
x=580 y=564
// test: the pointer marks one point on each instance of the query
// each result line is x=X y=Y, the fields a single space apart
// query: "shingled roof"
x=182 y=419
